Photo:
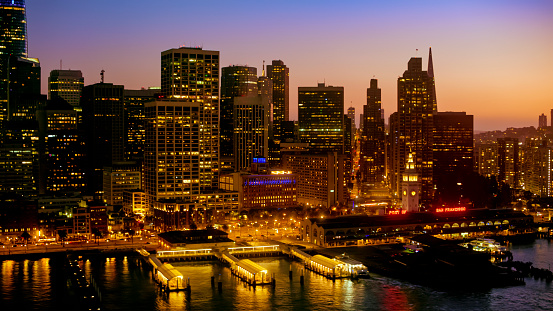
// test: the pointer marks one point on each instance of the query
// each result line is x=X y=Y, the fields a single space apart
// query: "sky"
x=492 y=59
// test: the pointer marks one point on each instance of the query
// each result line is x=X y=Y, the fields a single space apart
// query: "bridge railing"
x=185 y=252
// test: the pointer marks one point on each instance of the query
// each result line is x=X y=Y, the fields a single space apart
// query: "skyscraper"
x=372 y=143
x=280 y=76
x=250 y=130
x=67 y=84
x=135 y=123
x=236 y=81
x=321 y=117
x=351 y=115
x=61 y=148
x=24 y=96
x=453 y=153
x=542 y=120
x=192 y=75
x=172 y=157
x=13 y=42
x=102 y=129
x=508 y=161
x=412 y=127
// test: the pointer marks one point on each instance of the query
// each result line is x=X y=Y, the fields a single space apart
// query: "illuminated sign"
x=398 y=212
x=259 y=160
x=450 y=209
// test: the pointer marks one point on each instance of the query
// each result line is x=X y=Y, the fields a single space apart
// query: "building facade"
x=372 y=156
x=508 y=162
x=280 y=77
x=67 y=84
x=321 y=118
x=412 y=127
x=251 y=130
x=118 y=178
x=192 y=75
x=135 y=122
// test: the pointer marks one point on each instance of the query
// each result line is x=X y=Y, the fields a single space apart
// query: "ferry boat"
x=485 y=245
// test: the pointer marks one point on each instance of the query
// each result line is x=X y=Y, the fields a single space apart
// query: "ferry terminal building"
x=364 y=229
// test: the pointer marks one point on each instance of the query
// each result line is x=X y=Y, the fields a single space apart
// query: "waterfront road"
x=137 y=242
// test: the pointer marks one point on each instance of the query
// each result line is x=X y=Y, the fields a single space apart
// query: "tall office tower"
x=349 y=134
x=321 y=117
x=361 y=123
x=453 y=153
x=13 y=41
x=135 y=123
x=236 y=82
x=265 y=88
x=351 y=115
x=372 y=155
x=102 y=130
x=19 y=158
x=61 y=149
x=24 y=88
x=508 y=161
x=487 y=159
x=536 y=167
x=413 y=127
x=67 y=84
x=251 y=118
x=172 y=157
x=192 y=75
x=551 y=117
x=542 y=120
x=280 y=76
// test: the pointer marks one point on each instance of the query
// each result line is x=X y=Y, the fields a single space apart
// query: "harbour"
x=126 y=283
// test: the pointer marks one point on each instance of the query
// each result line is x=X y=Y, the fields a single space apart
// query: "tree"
x=63 y=235
x=26 y=236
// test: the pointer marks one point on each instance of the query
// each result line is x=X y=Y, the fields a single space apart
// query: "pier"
x=331 y=268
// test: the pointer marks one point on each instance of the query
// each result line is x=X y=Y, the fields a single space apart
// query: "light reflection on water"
x=126 y=284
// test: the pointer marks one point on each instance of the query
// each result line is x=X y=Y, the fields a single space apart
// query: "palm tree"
x=26 y=236
x=62 y=234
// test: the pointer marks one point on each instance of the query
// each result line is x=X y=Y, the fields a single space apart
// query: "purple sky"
x=492 y=59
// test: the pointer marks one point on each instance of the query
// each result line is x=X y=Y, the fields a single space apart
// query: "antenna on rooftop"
x=102 y=76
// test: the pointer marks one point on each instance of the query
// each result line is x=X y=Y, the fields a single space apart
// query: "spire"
x=263 y=71
x=430 y=65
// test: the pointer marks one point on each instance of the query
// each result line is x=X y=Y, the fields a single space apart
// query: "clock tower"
x=410 y=187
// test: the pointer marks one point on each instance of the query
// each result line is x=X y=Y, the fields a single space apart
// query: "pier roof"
x=251 y=266
x=327 y=262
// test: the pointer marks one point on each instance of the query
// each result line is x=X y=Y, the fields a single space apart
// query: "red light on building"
x=398 y=212
x=450 y=209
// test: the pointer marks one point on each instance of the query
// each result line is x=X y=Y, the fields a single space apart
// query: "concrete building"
x=279 y=74
x=251 y=131
x=372 y=156
x=410 y=187
x=542 y=120
x=135 y=123
x=67 y=84
x=508 y=161
x=118 y=178
x=487 y=159
x=321 y=179
x=192 y=76
x=321 y=118
x=411 y=127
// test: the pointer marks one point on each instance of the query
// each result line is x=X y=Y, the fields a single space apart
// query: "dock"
x=332 y=268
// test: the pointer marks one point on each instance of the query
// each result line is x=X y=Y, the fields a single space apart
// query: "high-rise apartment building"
x=251 y=130
x=321 y=117
x=102 y=129
x=61 y=149
x=280 y=76
x=172 y=158
x=453 y=152
x=372 y=158
x=67 y=84
x=412 y=127
x=192 y=75
x=118 y=178
x=135 y=122
x=487 y=159
x=508 y=161
x=537 y=166
x=236 y=82
x=13 y=42
x=542 y=120
x=265 y=88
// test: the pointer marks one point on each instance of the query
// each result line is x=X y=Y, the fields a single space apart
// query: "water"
x=127 y=285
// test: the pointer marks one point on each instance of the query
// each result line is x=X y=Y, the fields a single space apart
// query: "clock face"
x=413 y=193
x=404 y=192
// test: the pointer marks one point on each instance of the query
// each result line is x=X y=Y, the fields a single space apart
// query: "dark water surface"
x=126 y=284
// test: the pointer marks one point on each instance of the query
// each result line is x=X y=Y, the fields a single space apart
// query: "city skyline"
x=488 y=48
